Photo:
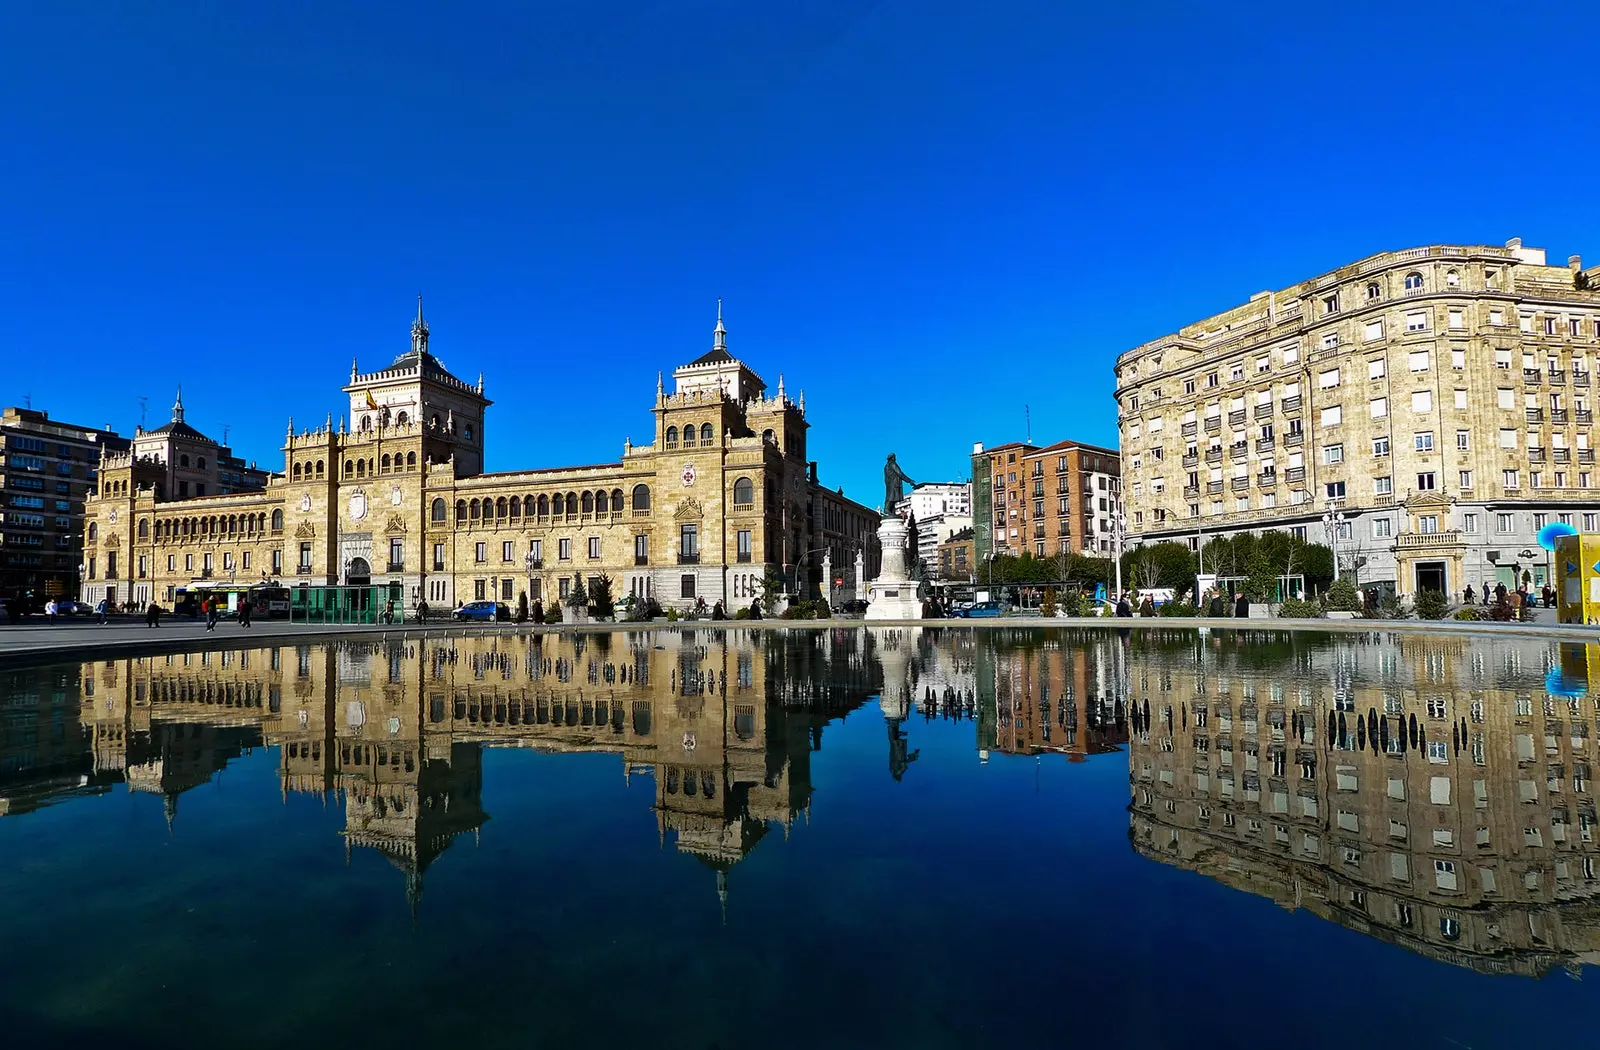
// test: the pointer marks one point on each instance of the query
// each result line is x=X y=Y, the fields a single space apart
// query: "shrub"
x=1178 y=609
x=1501 y=612
x=1431 y=605
x=1342 y=597
x=1300 y=609
x=1391 y=608
x=1468 y=613
x=741 y=614
x=1047 y=605
x=552 y=614
x=672 y=616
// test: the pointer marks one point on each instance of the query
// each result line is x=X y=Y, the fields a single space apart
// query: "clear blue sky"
x=925 y=213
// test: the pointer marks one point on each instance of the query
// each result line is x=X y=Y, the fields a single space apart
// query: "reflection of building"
x=395 y=730
x=43 y=749
x=396 y=495
x=1400 y=790
x=1057 y=699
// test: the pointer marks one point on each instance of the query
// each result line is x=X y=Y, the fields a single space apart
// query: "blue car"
x=982 y=609
x=484 y=611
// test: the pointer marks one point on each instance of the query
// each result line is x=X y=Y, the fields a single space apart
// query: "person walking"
x=101 y=609
x=211 y=615
x=152 y=615
x=50 y=611
x=1218 y=607
x=1469 y=594
x=244 y=613
x=1241 y=605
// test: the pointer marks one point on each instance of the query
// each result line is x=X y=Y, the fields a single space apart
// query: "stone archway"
x=358 y=573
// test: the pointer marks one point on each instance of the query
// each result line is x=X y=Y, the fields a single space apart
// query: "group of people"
x=1519 y=599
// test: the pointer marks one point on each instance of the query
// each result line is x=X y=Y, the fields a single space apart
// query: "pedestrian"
x=244 y=613
x=101 y=609
x=211 y=615
x=1124 y=607
x=422 y=610
x=1488 y=592
x=716 y=611
x=388 y=611
x=1469 y=594
x=1499 y=592
x=152 y=615
x=1241 y=605
x=755 y=609
x=1218 y=607
x=50 y=610
x=1549 y=596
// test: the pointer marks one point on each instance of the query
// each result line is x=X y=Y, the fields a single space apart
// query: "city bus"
x=268 y=600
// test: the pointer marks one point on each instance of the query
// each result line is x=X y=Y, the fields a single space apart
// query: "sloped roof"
x=183 y=430
x=716 y=356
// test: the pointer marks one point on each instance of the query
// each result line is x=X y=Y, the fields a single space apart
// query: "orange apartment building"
x=1044 y=500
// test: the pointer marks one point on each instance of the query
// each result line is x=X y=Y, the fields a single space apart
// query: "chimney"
x=1515 y=242
x=1575 y=263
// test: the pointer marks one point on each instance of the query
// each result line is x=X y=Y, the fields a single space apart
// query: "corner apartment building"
x=1061 y=497
x=46 y=469
x=1440 y=398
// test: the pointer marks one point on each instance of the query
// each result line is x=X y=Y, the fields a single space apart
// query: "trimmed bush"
x=1300 y=609
x=672 y=616
x=1177 y=609
x=1342 y=597
x=1047 y=605
x=1468 y=613
x=1432 y=605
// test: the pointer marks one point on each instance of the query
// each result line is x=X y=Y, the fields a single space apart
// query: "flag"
x=372 y=404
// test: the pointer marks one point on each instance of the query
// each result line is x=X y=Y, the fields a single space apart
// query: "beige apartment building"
x=395 y=496
x=1439 y=398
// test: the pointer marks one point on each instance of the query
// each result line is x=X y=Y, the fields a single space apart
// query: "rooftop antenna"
x=1027 y=418
x=225 y=428
x=144 y=406
x=27 y=401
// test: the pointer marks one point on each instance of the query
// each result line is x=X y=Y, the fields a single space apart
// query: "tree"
x=771 y=587
x=600 y=603
x=522 y=606
x=577 y=597
x=1167 y=564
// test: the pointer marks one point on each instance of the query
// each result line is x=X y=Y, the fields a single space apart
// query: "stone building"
x=1439 y=398
x=395 y=495
x=1395 y=789
x=956 y=560
x=1043 y=501
x=46 y=470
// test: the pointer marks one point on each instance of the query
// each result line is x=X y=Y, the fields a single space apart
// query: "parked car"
x=485 y=611
x=853 y=607
x=68 y=607
x=982 y=609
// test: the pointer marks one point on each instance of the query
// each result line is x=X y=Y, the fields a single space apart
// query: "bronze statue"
x=894 y=480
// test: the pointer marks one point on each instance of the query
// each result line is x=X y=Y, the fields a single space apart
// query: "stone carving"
x=396 y=524
x=689 y=508
x=305 y=531
x=113 y=541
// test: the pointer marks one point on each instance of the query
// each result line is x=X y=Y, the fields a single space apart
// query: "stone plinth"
x=893 y=595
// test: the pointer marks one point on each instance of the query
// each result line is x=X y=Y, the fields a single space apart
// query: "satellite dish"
x=1554 y=531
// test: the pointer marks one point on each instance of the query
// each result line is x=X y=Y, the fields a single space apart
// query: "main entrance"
x=358 y=573
x=1431 y=576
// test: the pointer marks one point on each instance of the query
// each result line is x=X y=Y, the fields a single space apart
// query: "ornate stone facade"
x=395 y=494
x=1440 y=398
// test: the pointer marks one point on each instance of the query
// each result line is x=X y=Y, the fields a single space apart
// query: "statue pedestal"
x=893 y=595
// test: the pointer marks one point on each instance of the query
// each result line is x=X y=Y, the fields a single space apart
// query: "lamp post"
x=1119 y=529
x=1333 y=524
x=1527 y=557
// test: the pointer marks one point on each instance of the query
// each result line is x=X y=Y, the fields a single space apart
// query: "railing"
x=1535 y=415
x=743 y=508
x=1264 y=411
x=1414 y=540
x=1239 y=452
x=1557 y=378
x=1531 y=376
x=1189 y=429
x=1213 y=424
x=1240 y=484
x=1213 y=487
x=1558 y=415
x=538 y=563
x=1191 y=490
x=1561 y=455
x=743 y=556
x=396 y=566
x=689 y=559
x=1236 y=417
x=1293 y=438
x=1292 y=404
x=1191 y=460
x=1535 y=454
x=1580 y=378
x=1585 y=416
x=1294 y=474
x=641 y=559
x=1586 y=455
x=1214 y=455
x=1267 y=481
x=1265 y=444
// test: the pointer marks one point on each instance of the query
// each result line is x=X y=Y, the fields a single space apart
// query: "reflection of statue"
x=894 y=480
x=900 y=755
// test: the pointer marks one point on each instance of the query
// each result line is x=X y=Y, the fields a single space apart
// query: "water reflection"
x=1433 y=793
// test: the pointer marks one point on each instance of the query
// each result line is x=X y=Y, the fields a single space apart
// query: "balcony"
x=1558 y=415
x=303 y=570
x=1213 y=424
x=396 y=566
x=644 y=559
x=1265 y=444
x=743 y=557
x=1535 y=415
x=1191 y=459
x=1214 y=455
x=741 y=508
x=1239 y=452
x=1236 y=418
x=1292 y=404
x=1531 y=376
x=1417 y=541
x=1586 y=455
x=1267 y=480
x=690 y=558
x=1294 y=438
x=1585 y=416
x=1240 y=484
x=1191 y=490
x=1580 y=378
x=1189 y=429
x=1535 y=454
x=1556 y=378
x=1264 y=411
x=1295 y=474
x=1213 y=487
x=1561 y=455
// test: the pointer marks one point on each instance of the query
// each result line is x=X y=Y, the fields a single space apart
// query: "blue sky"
x=925 y=213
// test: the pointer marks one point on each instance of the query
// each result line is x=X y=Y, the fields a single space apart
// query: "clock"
x=688 y=474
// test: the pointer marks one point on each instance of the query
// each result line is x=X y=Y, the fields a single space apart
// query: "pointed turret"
x=719 y=335
x=177 y=406
x=354 y=370
x=419 y=330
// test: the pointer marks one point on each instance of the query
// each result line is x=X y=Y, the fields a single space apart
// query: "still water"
x=747 y=838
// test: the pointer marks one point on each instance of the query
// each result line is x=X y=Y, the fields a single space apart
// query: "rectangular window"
x=478 y=589
x=305 y=558
x=1469 y=523
x=1463 y=440
x=1508 y=437
x=686 y=585
x=1382 y=528
x=1332 y=454
x=1497 y=317
x=1461 y=400
x=277 y=562
x=641 y=549
x=1457 y=319
x=1502 y=523
x=1331 y=416
x=745 y=551
x=1417 y=321
x=1329 y=378
x=1458 y=359
x=1425 y=481
x=1511 y=480
x=1330 y=341
x=172 y=562
x=1375 y=368
x=1589 y=522
x=689 y=541
x=507 y=550
x=594 y=547
x=481 y=552
x=1373 y=330
x=1379 y=407
x=1383 y=486
x=1335 y=490
x=1505 y=397
x=438 y=557
x=564 y=548
x=1419 y=360
x=1380 y=446
x=1422 y=401
x=1422 y=441
x=1502 y=359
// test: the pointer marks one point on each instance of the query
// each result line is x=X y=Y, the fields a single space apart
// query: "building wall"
x=1045 y=500
x=47 y=469
x=1459 y=374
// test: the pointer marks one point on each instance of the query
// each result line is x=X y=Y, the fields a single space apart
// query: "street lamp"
x=1333 y=525
x=1119 y=530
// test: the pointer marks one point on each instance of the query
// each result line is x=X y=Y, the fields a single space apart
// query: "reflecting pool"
x=774 y=838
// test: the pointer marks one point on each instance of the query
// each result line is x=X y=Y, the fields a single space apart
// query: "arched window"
x=384 y=462
x=744 y=491
x=366 y=423
x=461 y=511
x=296 y=472
x=361 y=468
x=319 y=468
x=201 y=463
x=402 y=419
x=349 y=468
x=515 y=507
x=144 y=529
x=572 y=504
x=1452 y=279
x=672 y=437
x=500 y=507
x=707 y=435
x=544 y=506
x=411 y=461
x=94 y=532
x=688 y=436
x=472 y=510
x=277 y=521
x=641 y=497
x=602 y=502
x=616 y=501
x=1413 y=281
x=1374 y=291
x=183 y=461
x=588 y=503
